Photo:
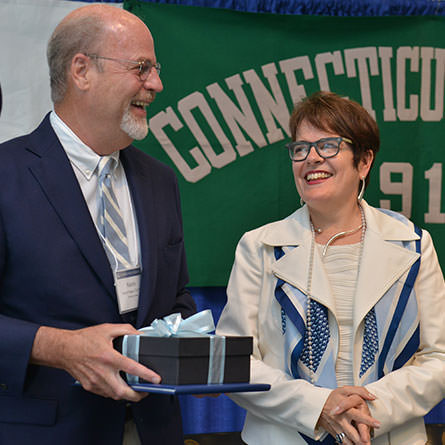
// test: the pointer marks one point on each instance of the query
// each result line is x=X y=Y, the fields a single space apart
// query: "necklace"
x=339 y=234
x=309 y=282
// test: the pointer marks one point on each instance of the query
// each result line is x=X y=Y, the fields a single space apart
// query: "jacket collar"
x=52 y=170
x=383 y=261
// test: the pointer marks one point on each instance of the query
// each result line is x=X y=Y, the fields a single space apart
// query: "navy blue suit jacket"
x=54 y=272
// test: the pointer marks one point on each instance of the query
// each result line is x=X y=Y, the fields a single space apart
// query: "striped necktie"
x=111 y=223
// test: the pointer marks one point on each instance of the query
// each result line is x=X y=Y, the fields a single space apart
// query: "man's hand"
x=346 y=411
x=88 y=355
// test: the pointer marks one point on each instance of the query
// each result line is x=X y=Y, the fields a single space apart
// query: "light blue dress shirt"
x=84 y=162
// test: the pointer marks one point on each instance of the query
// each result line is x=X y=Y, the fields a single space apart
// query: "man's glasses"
x=326 y=148
x=144 y=66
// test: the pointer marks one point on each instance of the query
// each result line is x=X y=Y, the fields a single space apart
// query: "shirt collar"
x=80 y=155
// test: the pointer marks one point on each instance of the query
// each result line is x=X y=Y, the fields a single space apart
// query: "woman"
x=345 y=302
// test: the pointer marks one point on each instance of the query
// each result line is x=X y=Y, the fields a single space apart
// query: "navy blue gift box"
x=204 y=359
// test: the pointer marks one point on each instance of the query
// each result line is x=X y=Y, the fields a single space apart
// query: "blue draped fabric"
x=354 y=8
x=220 y=414
x=323 y=7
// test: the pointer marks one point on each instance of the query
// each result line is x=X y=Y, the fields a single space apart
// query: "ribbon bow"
x=174 y=326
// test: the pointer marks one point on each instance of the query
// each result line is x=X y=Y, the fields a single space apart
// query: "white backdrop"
x=25 y=27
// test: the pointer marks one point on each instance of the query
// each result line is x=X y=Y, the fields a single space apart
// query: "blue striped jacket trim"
x=293 y=315
x=413 y=343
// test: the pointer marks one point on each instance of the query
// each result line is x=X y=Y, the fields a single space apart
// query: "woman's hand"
x=346 y=411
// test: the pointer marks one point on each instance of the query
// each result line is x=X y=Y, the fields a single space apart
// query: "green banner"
x=230 y=82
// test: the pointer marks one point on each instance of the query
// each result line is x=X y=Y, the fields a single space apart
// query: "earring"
x=301 y=202
x=362 y=189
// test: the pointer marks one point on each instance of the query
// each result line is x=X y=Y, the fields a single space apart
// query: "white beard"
x=136 y=128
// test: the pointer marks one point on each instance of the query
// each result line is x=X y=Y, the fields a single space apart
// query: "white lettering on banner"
x=270 y=106
x=233 y=115
x=405 y=53
x=321 y=60
x=288 y=68
x=389 y=112
x=362 y=56
x=403 y=187
x=434 y=177
x=411 y=87
x=197 y=100
x=169 y=118
x=427 y=56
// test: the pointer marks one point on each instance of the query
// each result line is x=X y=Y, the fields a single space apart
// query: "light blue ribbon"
x=217 y=357
x=174 y=326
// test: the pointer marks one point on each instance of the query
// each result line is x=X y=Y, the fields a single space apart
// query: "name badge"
x=128 y=283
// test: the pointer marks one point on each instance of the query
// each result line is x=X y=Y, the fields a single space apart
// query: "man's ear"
x=79 y=70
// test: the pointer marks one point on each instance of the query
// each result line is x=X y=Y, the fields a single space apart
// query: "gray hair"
x=82 y=34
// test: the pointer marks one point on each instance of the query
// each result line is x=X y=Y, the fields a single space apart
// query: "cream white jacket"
x=293 y=405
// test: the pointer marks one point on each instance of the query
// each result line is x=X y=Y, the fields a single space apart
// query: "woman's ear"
x=365 y=163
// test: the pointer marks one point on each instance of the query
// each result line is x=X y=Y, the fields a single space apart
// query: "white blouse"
x=341 y=264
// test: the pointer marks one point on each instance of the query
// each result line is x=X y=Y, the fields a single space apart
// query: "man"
x=91 y=244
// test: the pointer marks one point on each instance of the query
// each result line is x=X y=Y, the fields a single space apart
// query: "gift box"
x=190 y=361
x=183 y=352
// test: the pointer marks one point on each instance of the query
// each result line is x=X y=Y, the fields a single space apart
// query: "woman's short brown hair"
x=332 y=113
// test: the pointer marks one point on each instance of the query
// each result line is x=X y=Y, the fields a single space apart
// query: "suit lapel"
x=293 y=267
x=141 y=189
x=54 y=174
x=383 y=262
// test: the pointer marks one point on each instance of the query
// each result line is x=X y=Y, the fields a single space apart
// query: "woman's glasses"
x=326 y=148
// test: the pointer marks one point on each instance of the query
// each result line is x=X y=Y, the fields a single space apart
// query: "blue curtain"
x=323 y=7
x=353 y=8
